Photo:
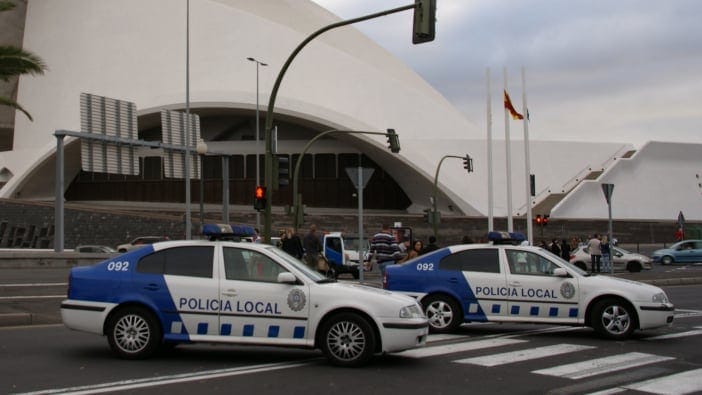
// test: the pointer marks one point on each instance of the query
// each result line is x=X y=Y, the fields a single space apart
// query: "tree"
x=16 y=61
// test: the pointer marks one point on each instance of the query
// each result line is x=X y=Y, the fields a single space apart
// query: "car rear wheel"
x=666 y=260
x=443 y=313
x=613 y=318
x=347 y=340
x=133 y=333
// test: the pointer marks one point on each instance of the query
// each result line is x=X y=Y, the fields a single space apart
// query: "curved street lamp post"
x=434 y=216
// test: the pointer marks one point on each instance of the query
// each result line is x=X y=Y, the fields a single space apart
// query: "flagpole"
x=491 y=196
x=527 y=162
x=510 y=224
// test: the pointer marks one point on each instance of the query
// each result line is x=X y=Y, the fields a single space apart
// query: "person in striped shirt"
x=385 y=248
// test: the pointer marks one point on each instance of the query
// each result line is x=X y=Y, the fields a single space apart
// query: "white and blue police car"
x=506 y=282
x=237 y=293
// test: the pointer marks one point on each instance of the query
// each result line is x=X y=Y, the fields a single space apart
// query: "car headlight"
x=413 y=311
x=660 y=298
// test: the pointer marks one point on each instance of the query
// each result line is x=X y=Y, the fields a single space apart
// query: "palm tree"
x=16 y=61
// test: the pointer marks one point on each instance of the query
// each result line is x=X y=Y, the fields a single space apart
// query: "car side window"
x=247 y=265
x=474 y=260
x=192 y=261
x=527 y=262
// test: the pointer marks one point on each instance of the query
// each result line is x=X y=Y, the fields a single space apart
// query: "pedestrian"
x=431 y=246
x=565 y=250
x=291 y=243
x=416 y=249
x=257 y=236
x=312 y=246
x=605 y=249
x=555 y=247
x=593 y=246
x=385 y=248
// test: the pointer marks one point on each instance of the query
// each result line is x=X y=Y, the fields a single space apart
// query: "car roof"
x=162 y=245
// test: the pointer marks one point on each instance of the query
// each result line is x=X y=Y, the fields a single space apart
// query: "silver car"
x=623 y=259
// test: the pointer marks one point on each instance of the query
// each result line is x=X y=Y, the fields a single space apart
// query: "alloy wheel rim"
x=132 y=333
x=346 y=340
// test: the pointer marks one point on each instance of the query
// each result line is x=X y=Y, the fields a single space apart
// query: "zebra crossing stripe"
x=458 y=347
x=443 y=336
x=523 y=355
x=675 y=335
x=597 y=366
x=680 y=383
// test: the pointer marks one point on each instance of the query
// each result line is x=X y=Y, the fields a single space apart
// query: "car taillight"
x=572 y=256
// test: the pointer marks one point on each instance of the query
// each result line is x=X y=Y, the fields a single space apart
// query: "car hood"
x=663 y=251
x=365 y=293
x=642 y=291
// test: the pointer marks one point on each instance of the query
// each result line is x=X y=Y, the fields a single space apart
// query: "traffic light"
x=260 y=198
x=424 y=21
x=283 y=171
x=468 y=163
x=545 y=222
x=539 y=221
x=393 y=141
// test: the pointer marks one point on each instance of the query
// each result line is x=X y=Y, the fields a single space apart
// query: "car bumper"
x=85 y=316
x=656 y=315
x=404 y=335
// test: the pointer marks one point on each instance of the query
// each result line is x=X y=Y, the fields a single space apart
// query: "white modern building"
x=135 y=50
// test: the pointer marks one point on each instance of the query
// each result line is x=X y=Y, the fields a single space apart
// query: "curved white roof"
x=135 y=50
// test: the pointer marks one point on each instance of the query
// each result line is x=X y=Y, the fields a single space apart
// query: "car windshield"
x=311 y=274
x=563 y=262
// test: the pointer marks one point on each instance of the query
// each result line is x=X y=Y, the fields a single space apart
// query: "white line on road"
x=680 y=383
x=458 y=347
x=126 y=385
x=676 y=335
x=597 y=366
x=523 y=355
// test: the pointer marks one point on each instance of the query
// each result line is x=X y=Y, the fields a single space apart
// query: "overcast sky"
x=596 y=70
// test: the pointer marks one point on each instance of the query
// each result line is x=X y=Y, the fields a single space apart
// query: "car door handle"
x=152 y=287
x=453 y=280
x=515 y=284
x=229 y=292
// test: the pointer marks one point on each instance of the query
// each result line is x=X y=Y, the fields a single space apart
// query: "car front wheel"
x=133 y=333
x=347 y=340
x=443 y=313
x=613 y=318
x=633 y=267
x=666 y=260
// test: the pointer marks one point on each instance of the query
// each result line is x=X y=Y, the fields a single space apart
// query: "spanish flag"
x=510 y=107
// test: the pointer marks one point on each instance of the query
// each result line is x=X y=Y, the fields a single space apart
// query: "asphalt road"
x=479 y=358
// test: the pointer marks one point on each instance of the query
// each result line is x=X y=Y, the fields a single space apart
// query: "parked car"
x=235 y=293
x=686 y=251
x=512 y=283
x=140 y=242
x=623 y=259
x=95 y=249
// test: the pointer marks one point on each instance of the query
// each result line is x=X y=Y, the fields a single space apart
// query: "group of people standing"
x=600 y=254
x=386 y=250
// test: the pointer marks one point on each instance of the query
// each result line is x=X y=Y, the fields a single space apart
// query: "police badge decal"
x=567 y=290
x=296 y=299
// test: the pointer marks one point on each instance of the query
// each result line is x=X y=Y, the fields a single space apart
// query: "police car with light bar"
x=506 y=282
x=237 y=293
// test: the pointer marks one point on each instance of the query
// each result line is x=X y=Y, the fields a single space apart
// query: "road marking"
x=444 y=336
x=458 y=347
x=523 y=355
x=679 y=383
x=597 y=366
x=676 y=335
x=681 y=313
x=127 y=385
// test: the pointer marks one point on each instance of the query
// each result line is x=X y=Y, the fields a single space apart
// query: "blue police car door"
x=476 y=276
x=537 y=295
x=179 y=282
x=256 y=306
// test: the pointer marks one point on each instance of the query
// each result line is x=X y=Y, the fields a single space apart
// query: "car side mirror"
x=287 y=278
x=560 y=272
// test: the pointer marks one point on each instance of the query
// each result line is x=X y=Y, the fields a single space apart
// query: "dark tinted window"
x=193 y=261
x=477 y=260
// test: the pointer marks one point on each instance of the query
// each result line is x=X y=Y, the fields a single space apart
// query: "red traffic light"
x=260 y=192
x=538 y=219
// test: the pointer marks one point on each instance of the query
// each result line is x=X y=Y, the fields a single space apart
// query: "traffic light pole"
x=297 y=204
x=271 y=105
x=434 y=219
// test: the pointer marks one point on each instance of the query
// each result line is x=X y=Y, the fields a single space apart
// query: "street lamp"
x=433 y=216
x=201 y=150
x=258 y=177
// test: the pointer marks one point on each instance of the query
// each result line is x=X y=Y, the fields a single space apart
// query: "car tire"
x=347 y=339
x=134 y=333
x=667 y=260
x=443 y=313
x=633 y=267
x=581 y=265
x=613 y=318
x=122 y=250
x=356 y=275
x=332 y=273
